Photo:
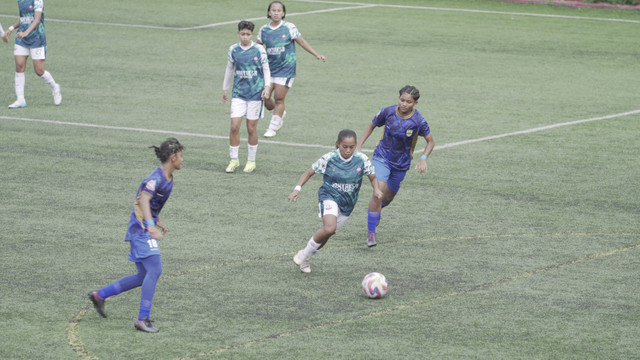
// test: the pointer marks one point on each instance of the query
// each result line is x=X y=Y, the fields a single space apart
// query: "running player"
x=402 y=124
x=251 y=85
x=278 y=37
x=30 y=40
x=342 y=171
x=144 y=232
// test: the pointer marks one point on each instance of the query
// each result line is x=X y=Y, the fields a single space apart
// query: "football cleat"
x=303 y=261
x=98 y=303
x=233 y=165
x=270 y=133
x=251 y=165
x=371 y=239
x=145 y=325
x=18 y=104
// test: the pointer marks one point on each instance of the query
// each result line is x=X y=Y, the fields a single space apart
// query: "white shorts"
x=38 y=53
x=330 y=207
x=284 y=81
x=253 y=109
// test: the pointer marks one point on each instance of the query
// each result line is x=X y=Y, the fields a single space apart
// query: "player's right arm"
x=226 y=84
x=365 y=135
x=145 y=206
x=303 y=180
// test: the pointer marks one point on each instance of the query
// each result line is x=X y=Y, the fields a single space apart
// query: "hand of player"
x=5 y=38
x=162 y=227
x=294 y=196
x=21 y=34
x=322 y=57
x=421 y=166
x=155 y=233
x=224 y=96
x=377 y=193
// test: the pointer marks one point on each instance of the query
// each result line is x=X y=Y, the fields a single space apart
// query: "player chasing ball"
x=279 y=38
x=30 y=41
x=392 y=156
x=342 y=171
x=251 y=84
x=144 y=232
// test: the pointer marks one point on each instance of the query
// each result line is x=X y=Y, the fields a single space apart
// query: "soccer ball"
x=374 y=285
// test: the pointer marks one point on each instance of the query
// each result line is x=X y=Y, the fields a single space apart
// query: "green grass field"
x=521 y=242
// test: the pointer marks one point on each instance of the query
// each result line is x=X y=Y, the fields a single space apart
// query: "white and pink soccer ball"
x=374 y=285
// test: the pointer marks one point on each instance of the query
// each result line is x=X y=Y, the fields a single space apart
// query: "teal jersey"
x=248 y=81
x=342 y=179
x=28 y=10
x=281 y=48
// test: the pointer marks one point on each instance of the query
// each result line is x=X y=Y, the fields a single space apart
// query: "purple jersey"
x=157 y=185
x=399 y=137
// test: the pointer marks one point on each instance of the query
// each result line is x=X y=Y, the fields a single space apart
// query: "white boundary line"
x=439 y=147
x=473 y=11
x=533 y=130
x=351 y=6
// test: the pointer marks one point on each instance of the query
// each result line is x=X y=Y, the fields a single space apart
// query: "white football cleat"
x=57 y=95
x=21 y=103
x=270 y=133
x=303 y=261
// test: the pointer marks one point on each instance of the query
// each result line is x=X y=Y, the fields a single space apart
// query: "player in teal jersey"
x=31 y=41
x=342 y=171
x=279 y=38
x=144 y=232
x=402 y=125
x=251 y=84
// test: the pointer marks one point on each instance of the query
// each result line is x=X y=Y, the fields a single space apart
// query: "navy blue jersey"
x=159 y=187
x=399 y=137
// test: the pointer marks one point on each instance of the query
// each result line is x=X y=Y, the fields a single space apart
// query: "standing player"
x=30 y=40
x=392 y=156
x=342 y=171
x=251 y=84
x=144 y=232
x=278 y=37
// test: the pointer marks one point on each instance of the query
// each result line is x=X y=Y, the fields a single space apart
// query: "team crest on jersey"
x=409 y=132
x=255 y=59
x=358 y=170
x=151 y=185
x=284 y=36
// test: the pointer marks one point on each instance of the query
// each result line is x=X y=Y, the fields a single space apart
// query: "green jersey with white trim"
x=36 y=38
x=342 y=178
x=281 y=48
x=248 y=81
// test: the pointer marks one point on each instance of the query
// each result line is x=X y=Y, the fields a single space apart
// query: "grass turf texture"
x=521 y=247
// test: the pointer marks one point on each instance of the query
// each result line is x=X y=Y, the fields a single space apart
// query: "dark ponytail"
x=167 y=148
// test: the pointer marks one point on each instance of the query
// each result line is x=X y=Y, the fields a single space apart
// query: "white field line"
x=293 y=144
x=533 y=130
x=351 y=6
x=472 y=11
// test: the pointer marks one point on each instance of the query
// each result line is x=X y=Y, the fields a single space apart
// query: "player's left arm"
x=36 y=21
x=376 y=189
x=421 y=166
x=305 y=45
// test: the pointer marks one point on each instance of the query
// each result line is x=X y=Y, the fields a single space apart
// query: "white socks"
x=48 y=79
x=233 y=152
x=276 y=123
x=253 y=149
x=19 y=83
x=311 y=248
